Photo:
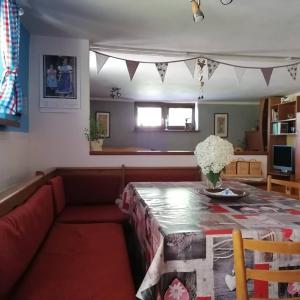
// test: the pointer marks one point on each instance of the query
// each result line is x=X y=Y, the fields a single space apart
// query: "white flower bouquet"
x=212 y=155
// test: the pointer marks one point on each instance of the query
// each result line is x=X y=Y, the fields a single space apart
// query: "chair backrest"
x=288 y=185
x=243 y=274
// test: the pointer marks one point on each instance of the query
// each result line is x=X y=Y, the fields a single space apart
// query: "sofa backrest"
x=58 y=190
x=92 y=188
x=157 y=174
x=22 y=232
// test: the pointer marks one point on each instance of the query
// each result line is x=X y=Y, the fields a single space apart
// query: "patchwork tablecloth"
x=186 y=240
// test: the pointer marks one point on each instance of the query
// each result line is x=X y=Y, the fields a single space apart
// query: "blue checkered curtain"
x=10 y=91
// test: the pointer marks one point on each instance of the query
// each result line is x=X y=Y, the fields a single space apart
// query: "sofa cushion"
x=57 y=185
x=92 y=189
x=80 y=261
x=92 y=214
x=21 y=233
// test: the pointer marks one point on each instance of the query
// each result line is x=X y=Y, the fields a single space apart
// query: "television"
x=283 y=158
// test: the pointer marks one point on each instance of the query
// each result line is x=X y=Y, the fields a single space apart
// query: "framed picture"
x=104 y=121
x=59 y=85
x=221 y=124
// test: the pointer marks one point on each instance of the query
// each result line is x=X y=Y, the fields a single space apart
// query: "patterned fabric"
x=186 y=239
x=10 y=91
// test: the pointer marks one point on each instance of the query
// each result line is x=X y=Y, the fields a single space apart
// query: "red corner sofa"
x=54 y=247
x=77 y=199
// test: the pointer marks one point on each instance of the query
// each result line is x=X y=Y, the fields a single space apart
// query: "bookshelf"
x=283 y=127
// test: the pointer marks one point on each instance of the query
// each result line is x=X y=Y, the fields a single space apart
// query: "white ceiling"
x=245 y=27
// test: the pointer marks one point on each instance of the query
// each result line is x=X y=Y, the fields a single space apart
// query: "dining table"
x=185 y=238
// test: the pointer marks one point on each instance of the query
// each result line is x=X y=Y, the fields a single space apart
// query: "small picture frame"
x=59 y=82
x=221 y=125
x=104 y=121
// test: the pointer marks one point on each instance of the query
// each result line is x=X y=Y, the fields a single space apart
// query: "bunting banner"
x=211 y=67
x=267 y=73
x=162 y=70
x=198 y=64
x=293 y=71
x=131 y=67
x=239 y=72
x=101 y=60
x=191 y=64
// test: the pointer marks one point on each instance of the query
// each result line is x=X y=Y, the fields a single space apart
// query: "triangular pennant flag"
x=211 y=67
x=191 y=64
x=239 y=72
x=101 y=60
x=267 y=72
x=293 y=71
x=131 y=67
x=162 y=70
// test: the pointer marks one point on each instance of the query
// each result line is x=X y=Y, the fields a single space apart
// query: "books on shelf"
x=280 y=128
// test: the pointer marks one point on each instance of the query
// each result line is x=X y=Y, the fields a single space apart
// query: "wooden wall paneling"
x=161 y=174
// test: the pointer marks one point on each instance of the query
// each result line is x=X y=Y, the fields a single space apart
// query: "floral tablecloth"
x=186 y=240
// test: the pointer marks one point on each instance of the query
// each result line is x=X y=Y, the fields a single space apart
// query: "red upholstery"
x=57 y=185
x=21 y=233
x=92 y=189
x=80 y=261
x=157 y=176
x=92 y=214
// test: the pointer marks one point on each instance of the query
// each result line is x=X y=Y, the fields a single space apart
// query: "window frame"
x=165 y=115
x=178 y=105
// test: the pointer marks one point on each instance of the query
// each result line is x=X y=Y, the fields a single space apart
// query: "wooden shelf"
x=288 y=102
x=287 y=116
x=283 y=134
x=286 y=120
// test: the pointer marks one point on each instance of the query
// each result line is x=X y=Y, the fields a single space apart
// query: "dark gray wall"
x=240 y=119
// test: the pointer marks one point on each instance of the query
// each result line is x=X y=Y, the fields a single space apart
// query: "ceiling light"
x=197 y=12
x=226 y=2
x=115 y=93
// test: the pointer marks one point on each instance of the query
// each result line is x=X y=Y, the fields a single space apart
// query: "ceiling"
x=267 y=31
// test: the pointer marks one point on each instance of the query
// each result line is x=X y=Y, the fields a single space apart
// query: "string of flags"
x=198 y=64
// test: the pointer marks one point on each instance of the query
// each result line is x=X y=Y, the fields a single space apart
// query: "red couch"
x=87 y=199
x=42 y=259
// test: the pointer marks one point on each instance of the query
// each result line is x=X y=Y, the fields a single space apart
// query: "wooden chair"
x=288 y=185
x=243 y=274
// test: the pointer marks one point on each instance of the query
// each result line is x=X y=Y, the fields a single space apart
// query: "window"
x=149 y=116
x=166 y=116
x=10 y=91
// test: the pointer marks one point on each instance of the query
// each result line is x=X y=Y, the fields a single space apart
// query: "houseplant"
x=95 y=135
x=212 y=155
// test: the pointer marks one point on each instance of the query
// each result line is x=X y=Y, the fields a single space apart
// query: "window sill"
x=9 y=122
x=141 y=151
x=138 y=129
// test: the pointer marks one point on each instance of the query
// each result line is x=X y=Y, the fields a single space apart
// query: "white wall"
x=14 y=158
x=56 y=139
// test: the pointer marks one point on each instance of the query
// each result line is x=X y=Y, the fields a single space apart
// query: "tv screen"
x=283 y=158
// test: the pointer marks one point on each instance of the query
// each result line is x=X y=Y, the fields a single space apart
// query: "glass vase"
x=214 y=180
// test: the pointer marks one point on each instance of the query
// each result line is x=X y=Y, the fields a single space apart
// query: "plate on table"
x=225 y=193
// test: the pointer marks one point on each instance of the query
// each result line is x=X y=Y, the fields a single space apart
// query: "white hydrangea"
x=213 y=154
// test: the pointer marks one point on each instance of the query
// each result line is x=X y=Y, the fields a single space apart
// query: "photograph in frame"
x=221 y=125
x=104 y=122
x=59 y=86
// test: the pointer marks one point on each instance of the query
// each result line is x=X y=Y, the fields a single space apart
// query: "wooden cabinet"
x=254 y=141
x=284 y=128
